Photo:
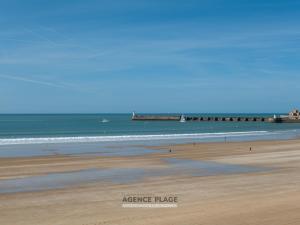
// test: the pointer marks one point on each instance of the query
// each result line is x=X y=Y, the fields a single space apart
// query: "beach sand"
x=270 y=196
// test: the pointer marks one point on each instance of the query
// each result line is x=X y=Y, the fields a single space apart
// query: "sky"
x=119 y=56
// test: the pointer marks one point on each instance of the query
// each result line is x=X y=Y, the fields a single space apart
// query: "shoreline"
x=139 y=147
x=243 y=135
x=196 y=151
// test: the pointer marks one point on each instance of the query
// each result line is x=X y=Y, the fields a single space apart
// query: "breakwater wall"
x=226 y=119
x=284 y=120
x=292 y=117
x=199 y=118
x=156 y=117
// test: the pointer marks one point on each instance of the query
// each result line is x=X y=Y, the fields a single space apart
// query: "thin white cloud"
x=62 y=85
x=34 y=81
x=43 y=37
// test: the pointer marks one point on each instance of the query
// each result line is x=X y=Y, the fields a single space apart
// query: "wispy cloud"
x=34 y=81
x=54 y=84
x=43 y=37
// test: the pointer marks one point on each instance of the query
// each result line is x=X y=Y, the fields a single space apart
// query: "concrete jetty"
x=225 y=119
x=156 y=117
x=196 y=118
x=292 y=117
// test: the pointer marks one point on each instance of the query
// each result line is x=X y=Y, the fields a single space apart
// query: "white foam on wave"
x=44 y=140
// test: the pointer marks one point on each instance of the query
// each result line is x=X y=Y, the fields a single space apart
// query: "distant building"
x=294 y=115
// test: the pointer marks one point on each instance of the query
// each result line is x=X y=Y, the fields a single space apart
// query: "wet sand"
x=269 y=195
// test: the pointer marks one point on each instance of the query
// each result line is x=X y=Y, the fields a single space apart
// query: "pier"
x=197 y=118
x=292 y=117
x=155 y=117
x=225 y=119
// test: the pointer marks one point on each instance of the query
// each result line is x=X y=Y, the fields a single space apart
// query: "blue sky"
x=149 y=56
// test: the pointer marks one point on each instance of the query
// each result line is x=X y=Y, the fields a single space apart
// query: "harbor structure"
x=292 y=117
x=156 y=117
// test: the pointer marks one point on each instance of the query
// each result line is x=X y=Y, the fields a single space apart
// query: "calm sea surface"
x=61 y=128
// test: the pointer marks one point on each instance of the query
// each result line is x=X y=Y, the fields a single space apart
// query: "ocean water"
x=87 y=128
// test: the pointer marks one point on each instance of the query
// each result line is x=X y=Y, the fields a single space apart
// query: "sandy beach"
x=149 y=112
x=261 y=186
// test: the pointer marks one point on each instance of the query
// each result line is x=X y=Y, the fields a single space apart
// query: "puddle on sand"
x=98 y=149
x=126 y=151
x=174 y=167
x=61 y=180
x=207 y=168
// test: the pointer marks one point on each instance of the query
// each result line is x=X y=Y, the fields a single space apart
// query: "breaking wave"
x=82 y=139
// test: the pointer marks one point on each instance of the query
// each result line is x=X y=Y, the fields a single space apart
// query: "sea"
x=80 y=128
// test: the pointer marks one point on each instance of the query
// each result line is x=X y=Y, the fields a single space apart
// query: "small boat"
x=104 y=121
x=182 y=119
